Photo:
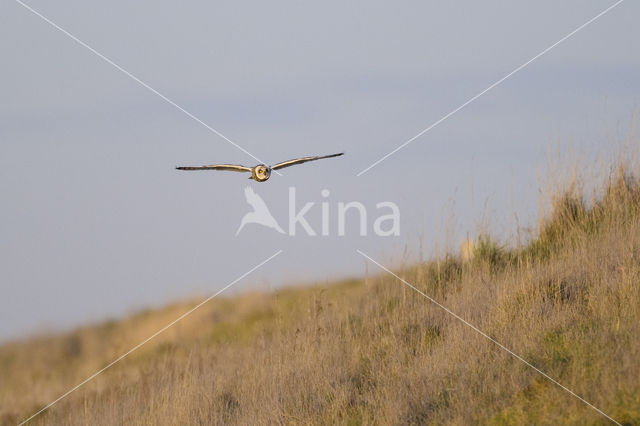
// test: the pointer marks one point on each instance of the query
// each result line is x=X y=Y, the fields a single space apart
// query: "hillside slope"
x=361 y=352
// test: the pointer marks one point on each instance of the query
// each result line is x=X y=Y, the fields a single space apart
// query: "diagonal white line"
x=151 y=337
x=482 y=333
x=491 y=87
x=136 y=79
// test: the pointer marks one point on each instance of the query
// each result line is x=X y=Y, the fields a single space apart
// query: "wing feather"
x=231 y=167
x=302 y=160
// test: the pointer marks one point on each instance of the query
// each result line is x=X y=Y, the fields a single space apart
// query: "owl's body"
x=260 y=173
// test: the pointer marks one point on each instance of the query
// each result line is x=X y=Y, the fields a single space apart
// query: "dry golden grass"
x=377 y=352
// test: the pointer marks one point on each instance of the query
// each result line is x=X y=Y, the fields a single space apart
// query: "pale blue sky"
x=95 y=221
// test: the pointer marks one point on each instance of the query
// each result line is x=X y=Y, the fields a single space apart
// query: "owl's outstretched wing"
x=231 y=167
x=302 y=160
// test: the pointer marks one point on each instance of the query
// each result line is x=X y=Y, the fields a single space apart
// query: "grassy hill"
x=376 y=351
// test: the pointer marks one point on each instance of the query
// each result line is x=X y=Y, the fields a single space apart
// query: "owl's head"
x=261 y=172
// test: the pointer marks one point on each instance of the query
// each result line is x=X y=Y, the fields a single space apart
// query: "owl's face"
x=262 y=173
